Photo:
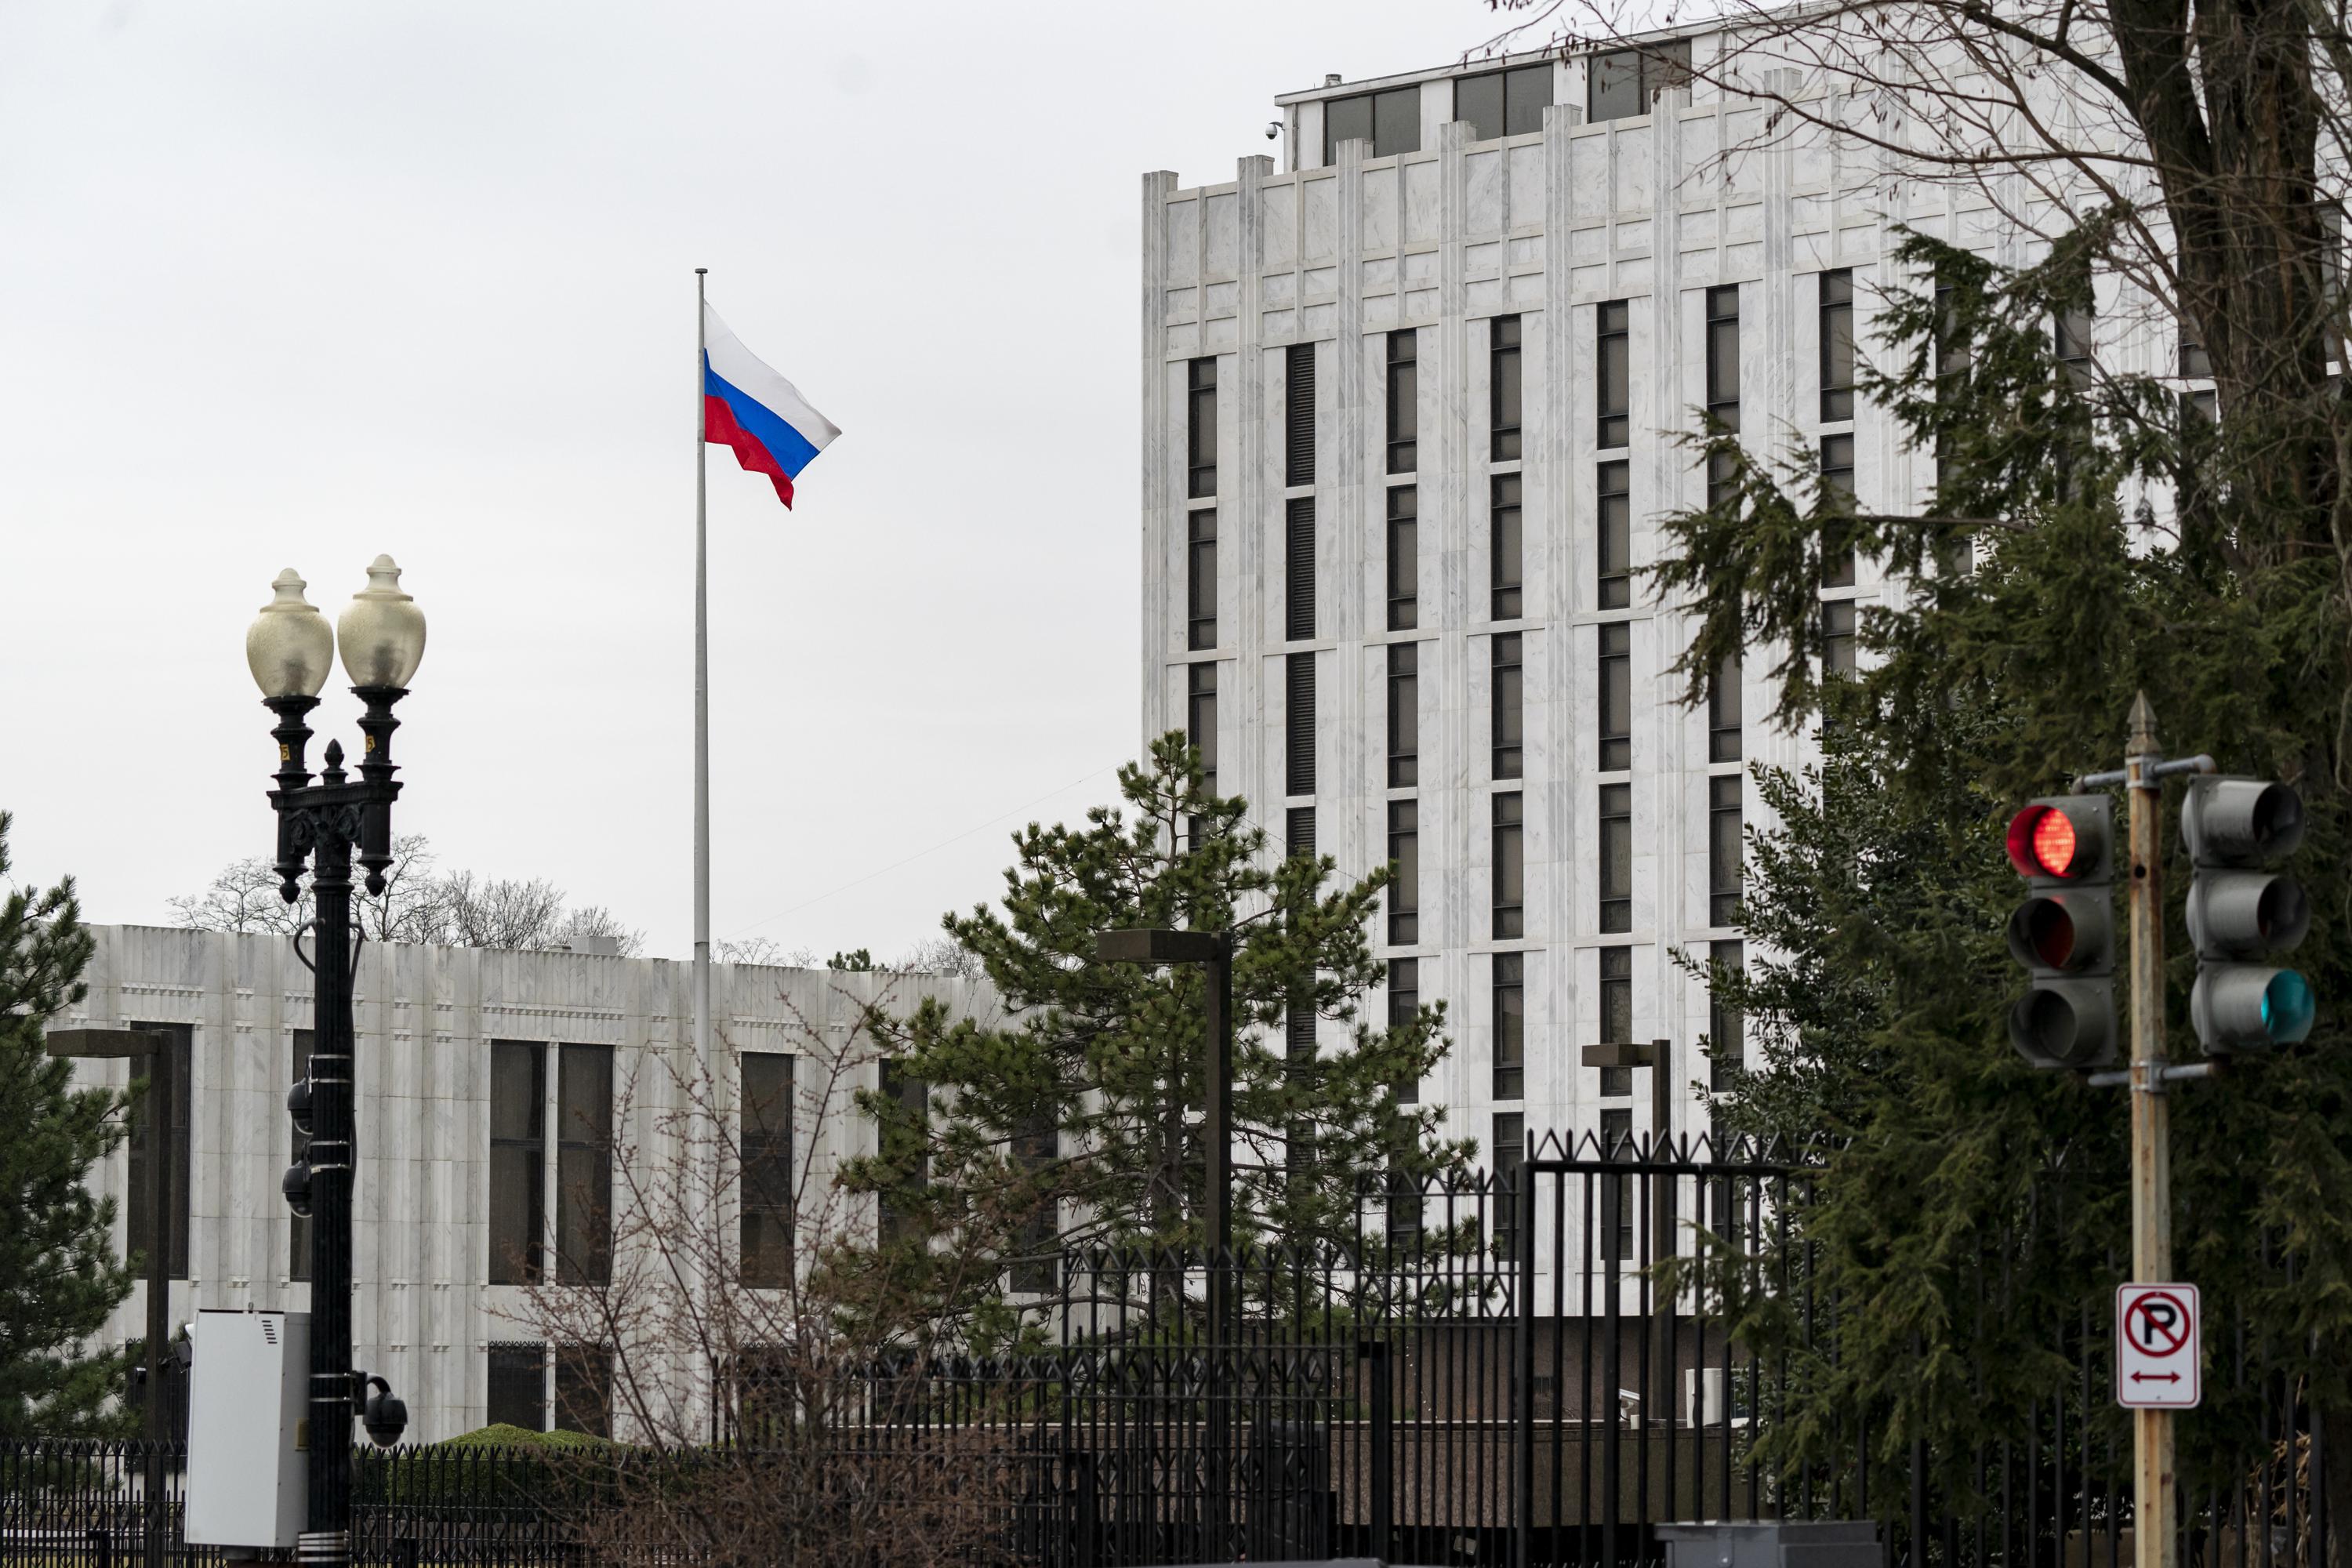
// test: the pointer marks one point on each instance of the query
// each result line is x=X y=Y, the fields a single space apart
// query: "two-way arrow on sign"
x=2155 y=1377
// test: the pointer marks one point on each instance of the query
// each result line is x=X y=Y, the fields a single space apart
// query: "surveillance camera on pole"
x=2240 y=915
x=2064 y=846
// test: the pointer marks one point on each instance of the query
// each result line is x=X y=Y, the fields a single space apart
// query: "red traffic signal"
x=2064 y=933
x=2062 y=837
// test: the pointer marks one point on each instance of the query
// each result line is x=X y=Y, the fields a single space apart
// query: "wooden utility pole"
x=2152 y=1489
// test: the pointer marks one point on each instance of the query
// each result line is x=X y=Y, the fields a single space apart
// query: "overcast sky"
x=285 y=283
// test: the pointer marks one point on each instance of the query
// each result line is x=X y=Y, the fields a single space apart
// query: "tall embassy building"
x=1411 y=410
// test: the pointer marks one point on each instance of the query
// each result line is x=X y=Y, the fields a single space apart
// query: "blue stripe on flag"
x=787 y=446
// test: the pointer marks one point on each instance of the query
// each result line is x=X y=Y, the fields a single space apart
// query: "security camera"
x=296 y=1187
x=384 y=1415
x=1273 y=129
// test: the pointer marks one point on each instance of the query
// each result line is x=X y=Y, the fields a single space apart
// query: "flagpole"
x=701 y=708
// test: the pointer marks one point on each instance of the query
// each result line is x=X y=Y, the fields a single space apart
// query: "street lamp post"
x=382 y=635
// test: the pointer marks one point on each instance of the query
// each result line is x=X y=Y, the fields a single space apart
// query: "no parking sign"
x=2157 y=1355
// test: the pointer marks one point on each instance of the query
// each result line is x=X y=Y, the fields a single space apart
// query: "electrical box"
x=248 y=1411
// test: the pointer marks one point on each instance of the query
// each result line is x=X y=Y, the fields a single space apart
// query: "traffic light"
x=2240 y=914
x=2065 y=933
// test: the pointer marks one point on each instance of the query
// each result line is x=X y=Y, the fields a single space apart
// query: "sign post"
x=2150 y=1138
x=2157 y=1345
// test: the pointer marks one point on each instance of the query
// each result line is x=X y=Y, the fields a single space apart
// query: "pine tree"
x=1062 y=1125
x=59 y=1277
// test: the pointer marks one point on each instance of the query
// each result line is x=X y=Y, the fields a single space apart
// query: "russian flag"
x=747 y=406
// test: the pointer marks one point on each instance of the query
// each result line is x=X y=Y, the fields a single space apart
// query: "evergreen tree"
x=1064 y=1123
x=58 y=1276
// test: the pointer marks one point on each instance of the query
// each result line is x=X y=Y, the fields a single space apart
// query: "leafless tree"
x=743 y=1387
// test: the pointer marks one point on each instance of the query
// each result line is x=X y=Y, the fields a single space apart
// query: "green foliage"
x=1969 y=1209
x=1074 y=1104
x=58 y=1276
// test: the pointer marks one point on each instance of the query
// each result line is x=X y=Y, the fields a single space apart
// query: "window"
x=765 y=1134
x=1837 y=346
x=1404 y=714
x=1617 y=1010
x=1510 y=867
x=1509 y=1155
x=137 y=1222
x=1200 y=580
x=1404 y=402
x=1298 y=415
x=1201 y=428
x=1722 y=384
x=1613 y=525
x=518 y=1164
x=584 y=1390
x=1404 y=873
x=1504 y=551
x=1201 y=717
x=1837 y=486
x=1298 y=753
x=1404 y=558
x=1503 y=386
x=1612 y=372
x=1404 y=1003
x=583 y=1166
x=1617 y=1192
x=1298 y=829
x=912 y=1097
x=1837 y=468
x=2196 y=364
x=1953 y=354
x=1623 y=83
x=1726 y=1042
x=1390 y=121
x=518 y=1385
x=1723 y=849
x=298 y=1237
x=1616 y=683
x=1503 y=103
x=1037 y=1146
x=1837 y=637
x=2072 y=335
x=1723 y=713
x=1298 y=570
x=1510 y=706
x=1616 y=858
x=1510 y=1003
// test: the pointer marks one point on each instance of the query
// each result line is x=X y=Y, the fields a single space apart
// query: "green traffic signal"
x=2238 y=913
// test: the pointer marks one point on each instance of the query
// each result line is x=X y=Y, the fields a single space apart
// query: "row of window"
x=1618 y=85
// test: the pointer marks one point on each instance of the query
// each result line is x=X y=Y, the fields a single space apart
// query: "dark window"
x=1616 y=1014
x=1404 y=868
x=1837 y=467
x=1404 y=558
x=1298 y=570
x=1837 y=346
x=1722 y=382
x=1727 y=1041
x=765 y=1131
x=584 y=1390
x=1390 y=121
x=1404 y=1003
x=1503 y=103
x=1200 y=580
x=2196 y=364
x=1617 y=1192
x=1614 y=529
x=1953 y=354
x=1510 y=1153
x=1201 y=428
x=1404 y=402
x=1510 y=1000
x=1616 y=856
x=1724 y=850
x=1404 y=714
x=1510 y=710
x=1724 y=741
x=1299 y=1029
x=1837 y=485
x=1298 y=755
x=1510 y=867
x=1037 y=1146
x=583 y=1166
x=1298 y=415
x=1201 y=718
x=136 y=1220
x=913 y=1097
x=1616 y=684
x=1621 y=83
x=1505 y=554
x=1503 y=386
x=298 y=1239
x=2072 y=334
x=1298 y=829
x=1612 y=375
x=517 y=1386
x=517 y=1163
x=1837 y=637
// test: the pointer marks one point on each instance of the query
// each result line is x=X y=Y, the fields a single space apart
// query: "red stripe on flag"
x=718 y=427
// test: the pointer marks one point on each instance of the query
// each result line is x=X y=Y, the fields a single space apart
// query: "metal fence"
x=1496 y=1371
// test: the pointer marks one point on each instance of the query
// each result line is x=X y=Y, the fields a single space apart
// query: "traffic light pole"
x=2151 y=1155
